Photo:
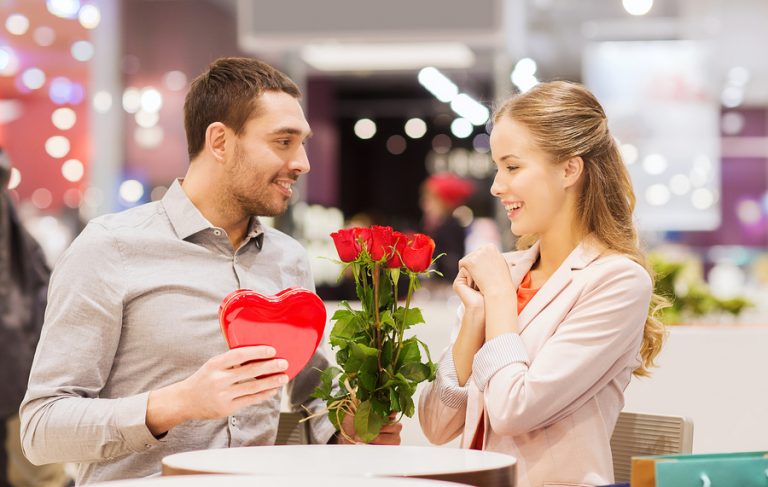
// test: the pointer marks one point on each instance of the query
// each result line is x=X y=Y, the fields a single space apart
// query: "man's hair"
x=228 y=92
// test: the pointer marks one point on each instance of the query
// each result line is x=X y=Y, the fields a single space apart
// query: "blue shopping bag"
x=747 y=469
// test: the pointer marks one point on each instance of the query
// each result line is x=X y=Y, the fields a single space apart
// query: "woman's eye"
x=511 y=168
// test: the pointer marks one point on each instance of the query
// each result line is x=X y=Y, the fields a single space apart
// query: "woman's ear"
x=572 y=170
x=216 y=140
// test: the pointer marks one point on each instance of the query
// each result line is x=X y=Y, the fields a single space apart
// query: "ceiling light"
x=637 y=7
x=415 y=128
x=387 y=57
x=438 y=84
x=467 y=107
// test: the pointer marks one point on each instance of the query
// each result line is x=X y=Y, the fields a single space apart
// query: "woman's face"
x=529 y=184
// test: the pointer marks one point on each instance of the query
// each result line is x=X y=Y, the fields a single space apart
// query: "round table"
x=271 y=481
x=471 y=467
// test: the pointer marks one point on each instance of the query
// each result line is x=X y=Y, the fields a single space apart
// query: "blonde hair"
x=566 y=121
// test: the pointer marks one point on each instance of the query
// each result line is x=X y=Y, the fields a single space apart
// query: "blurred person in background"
x=550 y=335
x=441 y=194
x=132 y=365
x=23 y=286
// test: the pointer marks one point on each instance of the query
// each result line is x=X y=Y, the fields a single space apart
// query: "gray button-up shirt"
x=133 y=307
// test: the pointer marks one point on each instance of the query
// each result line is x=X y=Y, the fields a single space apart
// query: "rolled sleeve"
x=496 y=354
x=447 y=382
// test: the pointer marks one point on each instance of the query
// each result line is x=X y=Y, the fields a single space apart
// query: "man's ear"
x=216 y=140
x=572 y=170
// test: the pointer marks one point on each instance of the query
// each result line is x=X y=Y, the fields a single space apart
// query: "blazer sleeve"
x=595 y=342
x=443 y=402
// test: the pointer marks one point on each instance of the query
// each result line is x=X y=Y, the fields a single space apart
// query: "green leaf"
x=385 y=292
x=341 y=313
x=409 y=353
x=406 y=402
x=342 y=356
x=394 y=399
x=380 y=404
x=344 y=329
x=415 y=371
x=432 y=366
x=365 y=295
x=409 y=319
x=336 y=417
x=387 y=320
x=359 y=353
x=387 y=353
x=327 y=376
x=367 y=422
x=368 y=373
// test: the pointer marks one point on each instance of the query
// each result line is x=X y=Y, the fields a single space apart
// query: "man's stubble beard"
x=248 y=201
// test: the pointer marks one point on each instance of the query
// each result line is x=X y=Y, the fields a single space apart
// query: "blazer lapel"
x=520 y=263
x=579 y=258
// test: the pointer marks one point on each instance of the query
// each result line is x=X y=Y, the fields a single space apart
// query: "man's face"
x=269 y=156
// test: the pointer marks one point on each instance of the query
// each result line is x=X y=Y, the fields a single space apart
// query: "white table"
x=271 y=481
x=467 y=466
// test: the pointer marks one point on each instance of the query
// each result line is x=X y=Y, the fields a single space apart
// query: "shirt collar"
x=184 y=216
x=187 y=220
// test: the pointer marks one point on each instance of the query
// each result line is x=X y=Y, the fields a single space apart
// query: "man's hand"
x=389 y=435
x=223 y=385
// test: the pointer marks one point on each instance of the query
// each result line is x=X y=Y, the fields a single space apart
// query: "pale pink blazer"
x=552 y=393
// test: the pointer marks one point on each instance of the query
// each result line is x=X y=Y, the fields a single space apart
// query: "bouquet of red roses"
x=378 y=369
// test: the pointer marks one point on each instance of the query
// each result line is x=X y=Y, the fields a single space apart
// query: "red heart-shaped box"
x=292 y=322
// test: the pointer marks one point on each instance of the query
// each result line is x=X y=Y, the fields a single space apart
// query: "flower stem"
x=377 y=322
x=411 y=277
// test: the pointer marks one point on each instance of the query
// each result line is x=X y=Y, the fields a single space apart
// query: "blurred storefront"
x=91 y=96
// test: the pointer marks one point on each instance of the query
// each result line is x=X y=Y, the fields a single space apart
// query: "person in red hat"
x=441 y=194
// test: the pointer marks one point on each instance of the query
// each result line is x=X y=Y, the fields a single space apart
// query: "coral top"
x=524 y=294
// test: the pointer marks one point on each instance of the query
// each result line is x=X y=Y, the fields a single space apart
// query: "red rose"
x=417 y=255
x=362 y=238
x=381 y=242
x=399 y=241
x=346 y=244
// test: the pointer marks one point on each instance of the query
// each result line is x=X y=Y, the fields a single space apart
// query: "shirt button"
x=217 y=232
x=233 y=422
x=147 y=445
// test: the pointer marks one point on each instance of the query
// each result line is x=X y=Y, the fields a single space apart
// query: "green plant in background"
x=689 y=297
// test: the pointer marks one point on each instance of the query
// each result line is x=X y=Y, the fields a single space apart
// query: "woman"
x=544 y=351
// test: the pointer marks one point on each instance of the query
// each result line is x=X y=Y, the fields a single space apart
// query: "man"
x=132 y=366
x=23 y=283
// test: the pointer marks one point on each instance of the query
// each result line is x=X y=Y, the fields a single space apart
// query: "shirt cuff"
x=496 y=354
x=132 y=423
x=447 y=382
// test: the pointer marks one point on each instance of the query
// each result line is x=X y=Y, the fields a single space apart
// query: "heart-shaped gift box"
x=292 y=322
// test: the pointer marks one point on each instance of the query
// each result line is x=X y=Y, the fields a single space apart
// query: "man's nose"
x=300 y=162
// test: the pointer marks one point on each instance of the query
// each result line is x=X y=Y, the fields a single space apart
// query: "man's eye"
x=284 y=142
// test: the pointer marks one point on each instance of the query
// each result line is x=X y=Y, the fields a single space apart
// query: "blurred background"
x=91 y=95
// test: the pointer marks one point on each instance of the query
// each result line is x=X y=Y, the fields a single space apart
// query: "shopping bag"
x=747 y=469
